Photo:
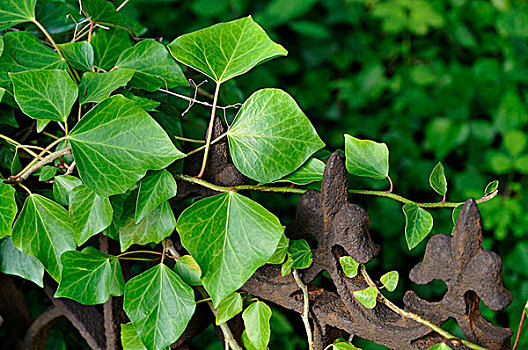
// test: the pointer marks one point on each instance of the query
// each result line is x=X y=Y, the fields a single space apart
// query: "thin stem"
x=210 y=130
x=391 y=184
x=38 y=156
x=48 y=159
x=18 y=144
x=138 y=259
x=122 y=5
x=518 y=336
x=188 y=140
x=203 y=300
x=306 y=309
x=25 y=188
x=193 y=100
x=139 y=252
x=203 y=147
x=48 y=36
x=50 y=135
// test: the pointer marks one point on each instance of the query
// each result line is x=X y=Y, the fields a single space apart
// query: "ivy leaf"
x=47 y=172
x=226 y=50
x=14 y=262
x=491 y=187
x=366 y=158
x=437 y=180
x=90 y=277
x=418 y=224
x=454 y=213
x=15 y=163
x=8 y=209
x=80 y=55
x=108 y=46
x=230 y=236
x=188 y=270
x=13 y=12
x=309 y=172
x=43 y=230
x=155 y=188
x=439 y=346
x=390 y=280
x=349 y=265
x=95 y=87
x=154 y=66
x=105 y=148
x=44 y=94
x=41 y=124
x=299 y=257
x=104 y=12
x=229 y=308
x=146 y=103
x=160 y=305
x=62 y=186
x=89 y=212
x=271 y=137
x=257 y=333
x=367 y=297
x=344 y=345
x=130 y=339
x=281 y=251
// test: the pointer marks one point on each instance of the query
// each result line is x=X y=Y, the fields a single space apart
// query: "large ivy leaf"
x=271 y=136
x=299 y=257
x=226 y=50
x=366 y=158
x=116 y=143
x=80 y=55
x=230 y=236
x=108 y=45
x=154 y=66
x=62 y=186
x=256 y=319
x=8 y=209
x=45 y=94
x=437 y=180
x=14 y=262
x=155 y=188
x=43 y=230
x=418 y=224
x=309 y=172
x=160 y=305
x=13 y=12
x=90 y=213
x=95 y=87
x=90 y=277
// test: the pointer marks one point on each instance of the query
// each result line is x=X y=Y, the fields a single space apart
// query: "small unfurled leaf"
x=366 y=158
x=309 y=172
x=160 y=305
x=90 y=277
x=226 y=50
x=95 y=87
x=13 y=12
x=45 y=94
x=14 y=262
x=79 y=55
x=229 y=308
x=491 y=187
x=349 y=265
x=439 y=346
x=8 y=209
x=344 y=345
x=155 y=188
x=189 y=270
x=62 y=186
x=47 y=172
x=299 y=256
x=108 y=46
x=257 y=333
x=390 y=280
x=367 y=297
x=281 y=251
x=437 y=180
x=418 y=224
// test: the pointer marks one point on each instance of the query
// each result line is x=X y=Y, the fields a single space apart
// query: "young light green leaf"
x=367 y=297
x=299 y=257
x=491 y=187
x=95 y=87
x=130 y=339
x=437 y=180
x=89 y=212
x=13 y=12
x=229 y=308
x=90 y=277
x=344 y=345
x=43 y=230
x=155 y=188
x=154 y=66
x=439 y=346
x=390 y=280
x=230 y=236
x=44 y=94
x=257 y=333
x=8 y=209
x=160 y=305
x=47 y=172
x=418 y=224
x=14 y=262
x=349 y=265
x=188 y=270
x=309 y=172
x=62 y=186
x=108 y=46
x=366 y=158
x=281 y=251
x=104 y=144
x=226 y=50
x=41 y=124
x=80 y=55
x=271 y=136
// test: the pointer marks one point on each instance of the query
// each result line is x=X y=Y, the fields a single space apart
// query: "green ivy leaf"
x=45 y=94
x=47 y=172
x=299 y=257
x=271 y=137
x=160 y=305
x=418 y=224
x=230 y=236
x=366 y=158
x=454 y=213
x=14 y=262
x=90 y=277
x=155 y=188
x=491 y=187
x=439 y=346
x=8 y=209
x=437 y=180
x=309 y=172
x=80 y=55
x=154 y=66
x=229 y=308
x=104 y=144
x=43 y=230
x=367 y=297
x=390 y=280
x=281 y=251
x=130 y=339
x=256 y=319
x=344 y=345
x=226 y=50
x=188 y=270
x=41 y=124
x=96 y=87
x=146 y=103
x=89 y=212
x=13 y=12
x=108 y=46
x=104 y=12
x=62 y=186
x=349 y=265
